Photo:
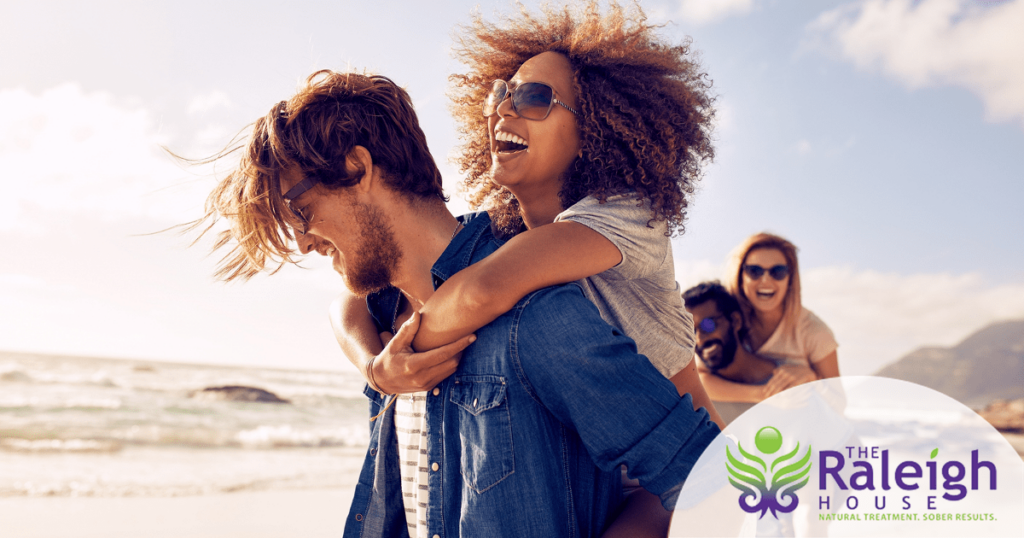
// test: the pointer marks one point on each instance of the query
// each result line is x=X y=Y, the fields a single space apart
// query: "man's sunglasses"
x=298 y=190
x=777 y=272
x=708 y=325
x=530 y=100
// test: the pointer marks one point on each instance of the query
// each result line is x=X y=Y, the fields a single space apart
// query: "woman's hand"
x=787 y=376
x=398 y=369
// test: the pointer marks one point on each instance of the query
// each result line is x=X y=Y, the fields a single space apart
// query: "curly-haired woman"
x=584 y=134
x=588 y=155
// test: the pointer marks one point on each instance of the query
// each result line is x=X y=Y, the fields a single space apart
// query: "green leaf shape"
x=736 y=470
x=785 y=457
x=752 y=457
x=747 y=490
x=787 y=475
x=934 y=453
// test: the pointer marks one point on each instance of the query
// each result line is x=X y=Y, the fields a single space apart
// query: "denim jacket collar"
x=460 y=251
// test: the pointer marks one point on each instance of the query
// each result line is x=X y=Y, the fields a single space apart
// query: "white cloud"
x=72 y=151
x=704 y=11
x=935 y=43
x=209 y=101
x=689 y=273
x=803 y=147
x=879 y=317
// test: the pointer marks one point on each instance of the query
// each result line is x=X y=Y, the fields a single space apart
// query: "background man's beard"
x=378 y=256
x=728 y=347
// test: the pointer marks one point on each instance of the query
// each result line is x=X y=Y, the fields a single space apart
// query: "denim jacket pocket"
x=485 y=428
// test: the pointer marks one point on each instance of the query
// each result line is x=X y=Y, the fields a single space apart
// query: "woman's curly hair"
x=646 y=106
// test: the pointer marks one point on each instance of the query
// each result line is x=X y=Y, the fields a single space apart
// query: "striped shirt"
x=411 y=429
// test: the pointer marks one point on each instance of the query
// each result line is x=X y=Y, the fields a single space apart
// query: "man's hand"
x=787 y=376
x=398 y=369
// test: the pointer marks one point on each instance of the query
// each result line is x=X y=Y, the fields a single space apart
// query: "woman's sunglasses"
x=777 y=272
x=530 y=100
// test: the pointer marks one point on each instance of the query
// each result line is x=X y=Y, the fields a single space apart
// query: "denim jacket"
x=527 y=437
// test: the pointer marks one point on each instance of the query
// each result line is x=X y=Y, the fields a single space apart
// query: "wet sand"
x=253 y=514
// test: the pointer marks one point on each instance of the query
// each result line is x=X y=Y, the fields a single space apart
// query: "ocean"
x=73 y=426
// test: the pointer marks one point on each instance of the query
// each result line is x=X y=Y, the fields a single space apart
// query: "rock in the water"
x=1005 y=416
x=237 y=393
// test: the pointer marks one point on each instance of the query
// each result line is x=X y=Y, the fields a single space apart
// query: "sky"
x=883 y=137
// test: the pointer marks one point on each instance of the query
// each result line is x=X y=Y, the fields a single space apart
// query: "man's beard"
x=728 y=352
x=376 y=260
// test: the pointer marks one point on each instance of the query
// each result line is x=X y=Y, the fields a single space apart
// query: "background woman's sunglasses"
x=777 y=272
x=530 y=100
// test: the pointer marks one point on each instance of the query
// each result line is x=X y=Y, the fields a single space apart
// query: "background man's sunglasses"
x=709 y=325
x=530 y=100
x=777 y=272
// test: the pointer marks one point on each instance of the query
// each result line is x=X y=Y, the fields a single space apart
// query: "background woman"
x=764 y=276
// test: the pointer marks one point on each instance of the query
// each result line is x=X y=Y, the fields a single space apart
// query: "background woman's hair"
x=791 y=305
x=646 y=106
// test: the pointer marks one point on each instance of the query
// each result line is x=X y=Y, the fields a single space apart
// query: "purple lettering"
x=953 y=480
x=903 y=472
x=976 y=467
x=824 y=469
x=864 y=478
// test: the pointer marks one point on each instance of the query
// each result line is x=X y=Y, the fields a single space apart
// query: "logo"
x=787 y=474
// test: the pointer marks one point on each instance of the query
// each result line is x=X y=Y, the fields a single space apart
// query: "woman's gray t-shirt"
x=640 y=295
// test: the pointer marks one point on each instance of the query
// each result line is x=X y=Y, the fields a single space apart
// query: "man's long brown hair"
x=646 y=106
x=313 y=133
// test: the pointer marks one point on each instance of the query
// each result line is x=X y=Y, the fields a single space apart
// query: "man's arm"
x=723 y=390
x=590 y=377
x=687 y=381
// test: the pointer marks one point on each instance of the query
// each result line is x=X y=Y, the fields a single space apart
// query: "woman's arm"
x=552 y=254
x=791 y=375
x=354 y=330
x=396 y=368
x=827 y=367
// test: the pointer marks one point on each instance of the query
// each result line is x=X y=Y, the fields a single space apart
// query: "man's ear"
x=737 y=320
x=360 y=159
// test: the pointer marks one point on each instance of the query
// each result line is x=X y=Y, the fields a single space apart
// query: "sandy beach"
x=260 y=514
x=309 y=513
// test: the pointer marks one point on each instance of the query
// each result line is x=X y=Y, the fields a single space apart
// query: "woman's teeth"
x=502 y=136
x=508 y=142
x=765 y=294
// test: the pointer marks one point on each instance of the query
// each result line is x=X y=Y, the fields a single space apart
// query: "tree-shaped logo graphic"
x=787 y=474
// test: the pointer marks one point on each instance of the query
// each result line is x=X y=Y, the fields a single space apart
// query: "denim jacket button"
x=373 y=451
x=436 y=391
x=434 y=466
x=359 y=517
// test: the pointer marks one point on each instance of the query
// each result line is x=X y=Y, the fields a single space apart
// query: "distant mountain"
x=986 y=366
